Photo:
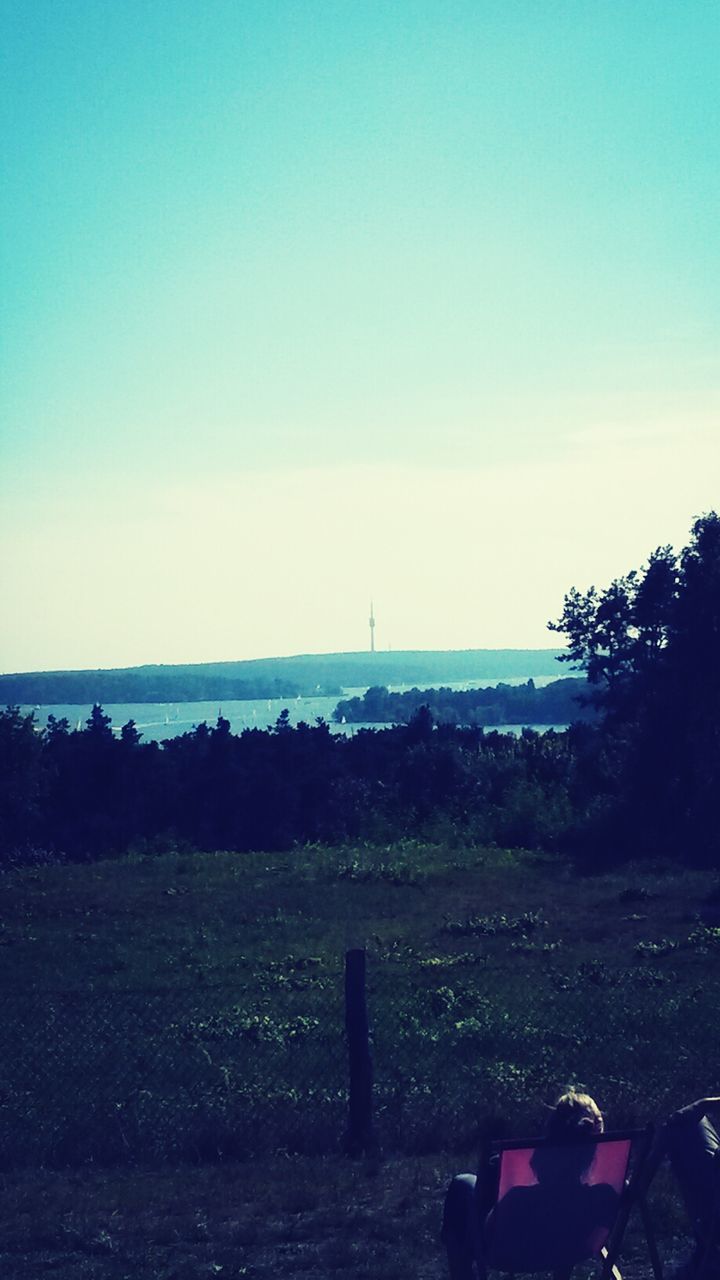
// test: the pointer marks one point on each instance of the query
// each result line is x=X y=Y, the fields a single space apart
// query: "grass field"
x=173 y=1030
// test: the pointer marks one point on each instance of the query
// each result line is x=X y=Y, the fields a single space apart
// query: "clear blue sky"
x=304 y=302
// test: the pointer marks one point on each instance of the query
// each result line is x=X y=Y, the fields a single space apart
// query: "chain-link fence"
x=457 y=1050
x=159 y=1075
x=193 y=1075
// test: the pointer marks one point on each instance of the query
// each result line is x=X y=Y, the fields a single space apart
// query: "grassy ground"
x=495 y=978
x=185 y=921
x=307 y=1217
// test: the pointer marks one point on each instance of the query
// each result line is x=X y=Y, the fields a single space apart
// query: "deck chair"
x=561 y=1204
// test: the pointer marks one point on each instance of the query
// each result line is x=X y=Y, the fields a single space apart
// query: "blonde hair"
x=575 y=1115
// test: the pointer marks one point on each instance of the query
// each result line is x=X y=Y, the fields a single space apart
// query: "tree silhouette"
x=650 y=644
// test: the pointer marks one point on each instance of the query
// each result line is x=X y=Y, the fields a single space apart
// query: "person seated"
x=471 y=1216
x=693 y=1148
x=556 y=1221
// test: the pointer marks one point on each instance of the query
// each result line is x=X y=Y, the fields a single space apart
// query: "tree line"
x=153 y=684
x=90 y=792
x=559 y=703
x=650 y=646
x=640 y=781
x=309 y=675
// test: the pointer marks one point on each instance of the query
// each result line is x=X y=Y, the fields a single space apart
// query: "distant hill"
x=325 y=673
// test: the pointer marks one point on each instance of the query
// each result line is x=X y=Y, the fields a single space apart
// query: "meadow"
x=173 y=1079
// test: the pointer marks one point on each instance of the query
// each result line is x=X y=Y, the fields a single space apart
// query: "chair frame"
x=713 y=1240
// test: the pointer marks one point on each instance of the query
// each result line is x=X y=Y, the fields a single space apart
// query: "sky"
x=305 y=303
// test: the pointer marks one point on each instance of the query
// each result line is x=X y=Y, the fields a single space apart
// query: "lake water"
x=159 y=720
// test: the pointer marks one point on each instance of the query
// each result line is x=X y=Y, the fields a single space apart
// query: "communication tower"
x=372 y=628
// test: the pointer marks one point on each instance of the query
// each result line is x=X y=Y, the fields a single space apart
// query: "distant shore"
x=303 y=675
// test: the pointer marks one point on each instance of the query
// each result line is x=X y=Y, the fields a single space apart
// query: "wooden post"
x=359 y=1138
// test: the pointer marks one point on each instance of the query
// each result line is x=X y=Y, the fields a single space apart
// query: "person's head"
x=573 y=1120
x=575 y=1115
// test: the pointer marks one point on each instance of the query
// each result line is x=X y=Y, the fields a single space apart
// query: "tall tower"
x=372 y=628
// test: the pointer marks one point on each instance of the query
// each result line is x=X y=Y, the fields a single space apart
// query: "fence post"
x=359 y=1138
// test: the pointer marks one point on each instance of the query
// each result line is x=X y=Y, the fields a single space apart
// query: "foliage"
x=484 y=926
x=560 y=702
x=94 y=793
x=649 y=644
x=642 y=781
x=23 y=780
x=308 y=674
x=190 y=1007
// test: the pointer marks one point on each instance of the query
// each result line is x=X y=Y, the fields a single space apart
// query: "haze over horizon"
x=306 y=305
